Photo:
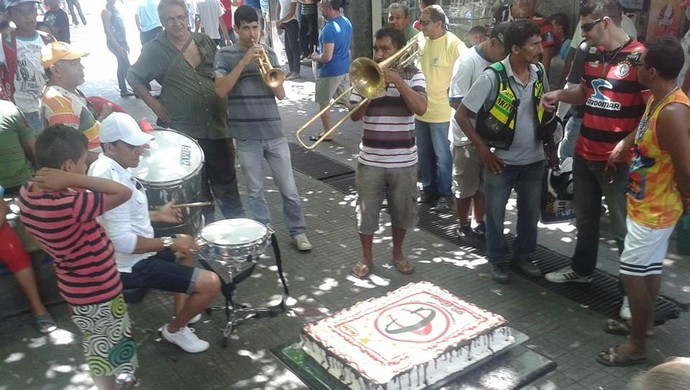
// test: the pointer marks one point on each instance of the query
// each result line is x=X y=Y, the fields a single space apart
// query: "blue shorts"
x=161 y=272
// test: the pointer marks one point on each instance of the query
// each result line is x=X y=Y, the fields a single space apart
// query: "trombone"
x=367 y=80
x=273 y=77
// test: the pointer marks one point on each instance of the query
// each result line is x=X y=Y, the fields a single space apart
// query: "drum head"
x=234 y=232
x=172 y=156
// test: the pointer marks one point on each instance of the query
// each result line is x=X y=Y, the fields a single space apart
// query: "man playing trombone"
x=387 y=165
x=245 y=74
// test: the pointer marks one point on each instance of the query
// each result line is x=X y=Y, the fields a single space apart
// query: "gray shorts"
x=468 y=171
x=397 y=185
x=328 y=88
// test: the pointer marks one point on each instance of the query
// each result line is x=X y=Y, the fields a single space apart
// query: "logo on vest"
x=599 y=100
x=622 y=70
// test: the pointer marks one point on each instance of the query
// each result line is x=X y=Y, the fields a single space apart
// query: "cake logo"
x=413 y=322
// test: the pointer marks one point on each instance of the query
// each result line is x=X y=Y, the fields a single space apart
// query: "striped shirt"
x=653 y=197
x=60 y=106
x=388 y=139
x=252 y=108
x=614 y=100
x=64 y=224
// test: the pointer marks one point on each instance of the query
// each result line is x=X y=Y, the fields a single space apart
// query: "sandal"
x=45 y=323
x=361 y=270
x=620 y=328
x=613 y=358
x=403 y=266
x=318 y=137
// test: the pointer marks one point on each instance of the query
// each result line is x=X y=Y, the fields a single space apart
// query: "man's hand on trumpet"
x=253 y=54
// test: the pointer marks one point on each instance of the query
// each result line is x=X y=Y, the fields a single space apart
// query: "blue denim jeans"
x=34 y=121
x=435 y=158
x=591 y=180
x=572 y=130
x=251 y=154
x=527 y=181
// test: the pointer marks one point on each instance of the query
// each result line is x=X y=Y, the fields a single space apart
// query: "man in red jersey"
x=614 y=103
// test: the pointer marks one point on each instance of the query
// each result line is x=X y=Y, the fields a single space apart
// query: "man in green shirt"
x=16 y=147
x=181 y=61
x=399 y=19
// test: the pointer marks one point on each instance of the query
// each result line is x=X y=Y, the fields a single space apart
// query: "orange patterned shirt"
x=653 y=199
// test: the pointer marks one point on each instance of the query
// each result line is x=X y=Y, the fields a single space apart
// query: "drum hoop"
x=262 y=239
x=184 y=178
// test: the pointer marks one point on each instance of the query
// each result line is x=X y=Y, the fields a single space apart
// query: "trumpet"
x=369 y=81
x=273 y=77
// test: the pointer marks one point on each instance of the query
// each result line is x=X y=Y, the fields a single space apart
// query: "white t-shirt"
x=30 y=78
x=209 y=11
x=285 y=7
x=466 y=71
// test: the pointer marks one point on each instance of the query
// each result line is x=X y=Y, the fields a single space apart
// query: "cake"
x=410 y=338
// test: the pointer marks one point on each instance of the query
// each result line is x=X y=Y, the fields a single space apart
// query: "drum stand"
x=235 y=313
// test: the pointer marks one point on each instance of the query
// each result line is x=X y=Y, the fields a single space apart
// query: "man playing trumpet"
x=388 y=154
x=255 y=124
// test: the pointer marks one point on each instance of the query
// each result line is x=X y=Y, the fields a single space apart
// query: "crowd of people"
x=471 y=123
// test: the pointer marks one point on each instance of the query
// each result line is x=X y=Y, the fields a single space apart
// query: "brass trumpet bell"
x=274 y=78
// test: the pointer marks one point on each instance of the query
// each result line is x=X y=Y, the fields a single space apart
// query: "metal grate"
x=603 y=295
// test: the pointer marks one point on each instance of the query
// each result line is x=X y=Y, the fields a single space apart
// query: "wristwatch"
x=167 y=242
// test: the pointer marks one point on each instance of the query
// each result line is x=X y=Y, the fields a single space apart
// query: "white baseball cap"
x=119 y=126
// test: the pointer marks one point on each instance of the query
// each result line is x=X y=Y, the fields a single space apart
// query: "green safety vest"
x=496 y=125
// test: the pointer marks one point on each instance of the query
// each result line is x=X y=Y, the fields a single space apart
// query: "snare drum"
x=231 y=247
x=171 y=170
x=234 y=240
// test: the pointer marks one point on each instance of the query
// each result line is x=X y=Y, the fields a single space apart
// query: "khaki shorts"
x=397 y=185
x=468 y=171
x=328 y=88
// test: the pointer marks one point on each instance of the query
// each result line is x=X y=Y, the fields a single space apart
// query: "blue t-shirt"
x=256 y=4
x=339 y=32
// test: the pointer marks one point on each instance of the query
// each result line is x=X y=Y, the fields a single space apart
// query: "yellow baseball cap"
x=56 y=51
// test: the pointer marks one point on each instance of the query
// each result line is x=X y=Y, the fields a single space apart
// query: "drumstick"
x=195 y=204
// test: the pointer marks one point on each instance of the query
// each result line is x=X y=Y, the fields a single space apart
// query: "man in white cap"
x=21 y=74
x=62 y=102
x=142 y=260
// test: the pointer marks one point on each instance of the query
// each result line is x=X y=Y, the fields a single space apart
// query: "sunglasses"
x=588 y=26
x=424 y=22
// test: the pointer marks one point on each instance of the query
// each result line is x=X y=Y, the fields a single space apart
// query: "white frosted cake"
x=409 y=339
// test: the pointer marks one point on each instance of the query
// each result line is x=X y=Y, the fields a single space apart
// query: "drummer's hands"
x=184 y=244
x=169 y=214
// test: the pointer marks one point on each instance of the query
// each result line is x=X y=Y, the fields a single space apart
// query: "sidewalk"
x=320 y=284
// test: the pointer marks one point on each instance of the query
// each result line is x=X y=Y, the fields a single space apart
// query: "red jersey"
x=615 y=100
x=64 y=224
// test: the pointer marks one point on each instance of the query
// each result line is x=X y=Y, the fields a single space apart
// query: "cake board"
x=519 y=363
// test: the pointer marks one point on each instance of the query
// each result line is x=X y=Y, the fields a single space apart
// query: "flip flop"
x=613 y=358
x=361 y=270
x=404 y=267
x=620 y=328
x=45 y=323
x=318 y=137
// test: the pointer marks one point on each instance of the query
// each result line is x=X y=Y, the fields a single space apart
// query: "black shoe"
x=500 y=273
x=468 y=236
x=528 y=267
x=428 y=197
x=480 y=230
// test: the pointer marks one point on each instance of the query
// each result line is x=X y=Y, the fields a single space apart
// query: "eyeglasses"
x=425 y=22
x=172 y=20
x=642 y=64
x=588 y=26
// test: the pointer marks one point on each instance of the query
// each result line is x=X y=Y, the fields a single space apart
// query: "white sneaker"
x=625 y=309
x=193 y=320
x=567 y=275
x=185 y=339
x=301 y=242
